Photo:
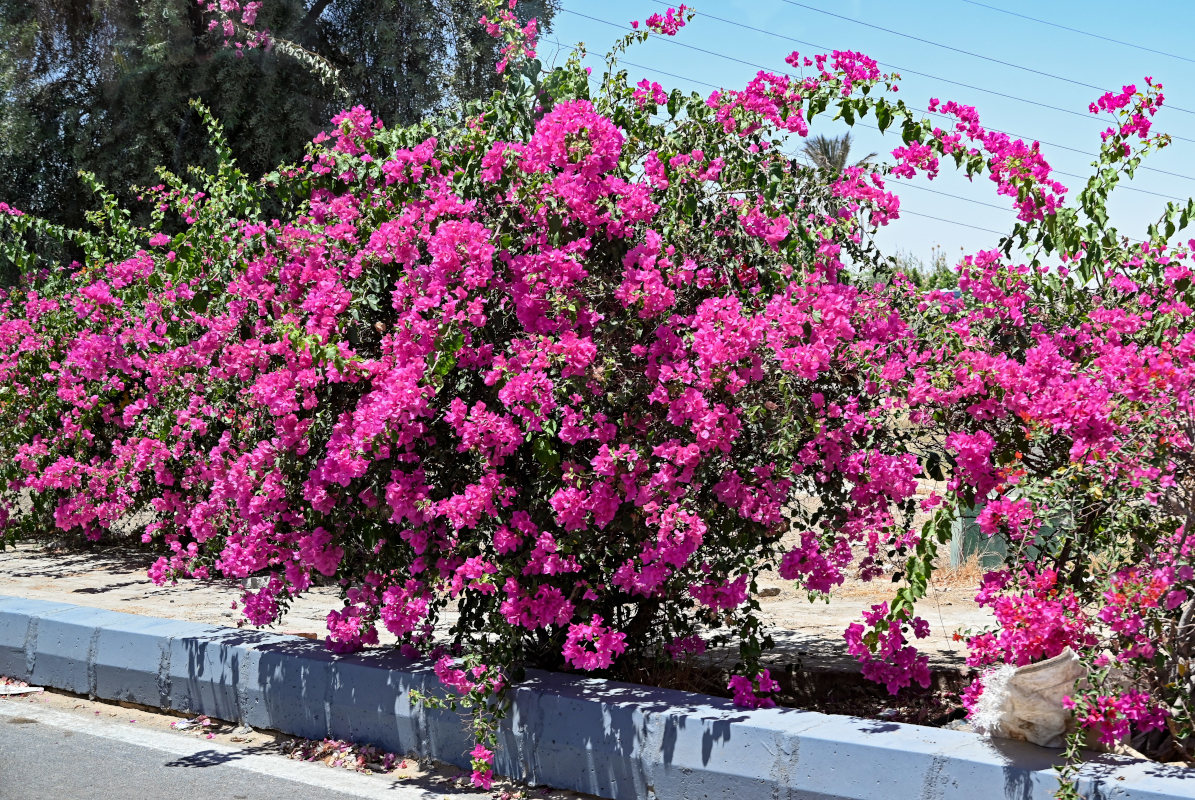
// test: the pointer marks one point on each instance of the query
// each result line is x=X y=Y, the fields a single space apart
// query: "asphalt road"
x=50 y=754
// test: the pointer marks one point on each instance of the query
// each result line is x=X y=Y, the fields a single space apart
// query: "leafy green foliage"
x=104 y=87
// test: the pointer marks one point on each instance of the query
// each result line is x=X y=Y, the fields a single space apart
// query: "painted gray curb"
x=613 y=740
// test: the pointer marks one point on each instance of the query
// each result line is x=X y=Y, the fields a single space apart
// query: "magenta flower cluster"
x=575 y=379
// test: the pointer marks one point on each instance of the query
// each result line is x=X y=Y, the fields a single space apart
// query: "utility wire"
x=912 y=72
x=954 y=222
x=900 y=69
x=905 y=70
x=1080 y=151
x=954 y=196
x=670 y=40
x=960 y=50
x=651 y=69
x=737 y=60
x=707 y=84
x=903 y=185
x=903 y=211
x=1084 y=33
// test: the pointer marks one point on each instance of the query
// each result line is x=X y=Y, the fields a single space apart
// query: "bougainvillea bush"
x=560 y=363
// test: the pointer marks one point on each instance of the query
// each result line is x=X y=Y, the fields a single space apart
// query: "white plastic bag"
x=1026 y=702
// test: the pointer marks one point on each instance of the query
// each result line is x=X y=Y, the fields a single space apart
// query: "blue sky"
x=1059 y=59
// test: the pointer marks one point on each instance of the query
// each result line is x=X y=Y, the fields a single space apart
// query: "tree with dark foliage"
x=104 y=85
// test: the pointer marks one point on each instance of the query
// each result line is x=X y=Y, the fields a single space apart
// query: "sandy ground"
x=115 y=579
x=809 y=659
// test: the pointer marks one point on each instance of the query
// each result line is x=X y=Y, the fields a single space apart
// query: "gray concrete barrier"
x=614 y=740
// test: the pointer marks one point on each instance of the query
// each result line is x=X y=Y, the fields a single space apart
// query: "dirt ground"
x=114 y=578
x=809 y=659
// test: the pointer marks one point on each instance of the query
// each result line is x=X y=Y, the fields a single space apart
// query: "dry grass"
x=965 y=576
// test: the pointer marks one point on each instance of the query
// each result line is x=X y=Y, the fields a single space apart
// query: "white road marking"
x=318 y=775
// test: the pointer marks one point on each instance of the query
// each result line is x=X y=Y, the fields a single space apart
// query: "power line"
x=960 y=50
x=896 y=67
x=1023 y=137
x=892 y=66
x=904 y=70
x=670 y=40
x=978 y=228
x=903 y=185
x=955 y=196
x=651 y=69
x=1126 y=187
x=910 y=71
x=954 y=222
x=669 y=74
x=1084 y=33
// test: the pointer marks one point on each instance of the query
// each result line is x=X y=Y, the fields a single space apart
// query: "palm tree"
x=832 y=152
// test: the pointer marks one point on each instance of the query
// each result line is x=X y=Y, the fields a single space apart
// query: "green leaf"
x=545 y=454
x=847 y=112
x=883 y=116
x=933 y=467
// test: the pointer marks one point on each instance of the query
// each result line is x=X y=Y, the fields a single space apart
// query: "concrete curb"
x=614 y=740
